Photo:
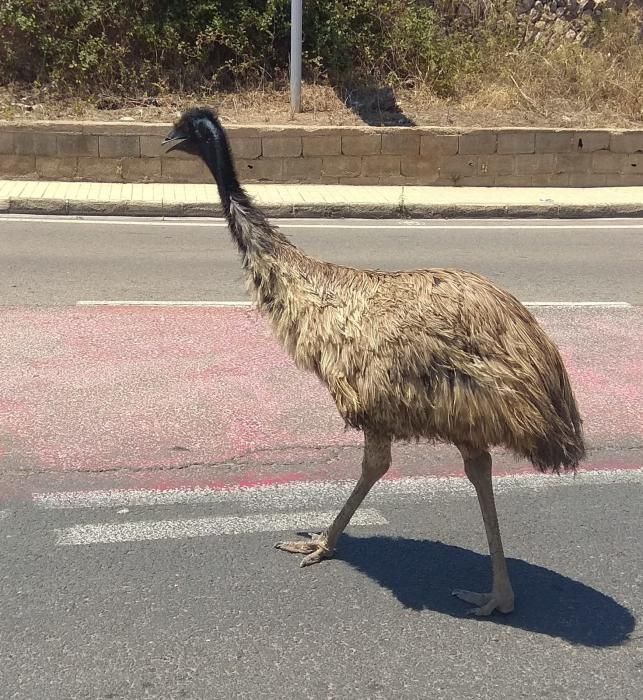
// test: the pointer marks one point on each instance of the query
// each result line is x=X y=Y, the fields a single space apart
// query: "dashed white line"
x=589 y=304
x=247 y=304
x=305 y=493
x=129 y=302
x=105 y=533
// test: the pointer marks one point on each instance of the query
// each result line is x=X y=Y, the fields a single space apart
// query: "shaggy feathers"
x=438 y=354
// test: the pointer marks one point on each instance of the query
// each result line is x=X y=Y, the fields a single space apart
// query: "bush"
x=387 y=41
x=143 y=46
x=120 y=45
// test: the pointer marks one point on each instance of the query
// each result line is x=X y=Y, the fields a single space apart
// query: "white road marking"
x=103 y=302
x=303 y=493
x=395 y=224
x=205 y=527
x=597 y=304
x=246 y=304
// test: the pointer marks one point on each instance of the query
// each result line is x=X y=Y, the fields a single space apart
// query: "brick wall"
x=132 y=152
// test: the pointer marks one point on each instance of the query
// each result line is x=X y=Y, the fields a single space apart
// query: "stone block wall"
x=132 y=152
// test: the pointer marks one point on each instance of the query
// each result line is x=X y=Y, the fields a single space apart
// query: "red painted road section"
x=93 y=389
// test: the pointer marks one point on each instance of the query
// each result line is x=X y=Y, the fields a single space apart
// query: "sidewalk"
x=87 y=198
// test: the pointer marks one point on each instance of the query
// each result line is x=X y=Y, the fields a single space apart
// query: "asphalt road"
x=228 y=616
x=157 y=578
x=58 y=261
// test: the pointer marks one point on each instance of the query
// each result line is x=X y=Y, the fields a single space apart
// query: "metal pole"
x=296 y=13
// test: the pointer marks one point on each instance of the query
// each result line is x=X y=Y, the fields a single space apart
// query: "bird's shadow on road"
x=422 y=573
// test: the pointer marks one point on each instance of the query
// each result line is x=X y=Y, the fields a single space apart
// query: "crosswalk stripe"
x=303 y=493
x=203 y=527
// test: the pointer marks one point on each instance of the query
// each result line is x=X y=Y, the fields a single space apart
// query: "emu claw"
x=315 y=549
x=486 y=602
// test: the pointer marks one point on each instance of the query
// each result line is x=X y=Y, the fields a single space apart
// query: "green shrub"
x=387 y=41
x=143 y=46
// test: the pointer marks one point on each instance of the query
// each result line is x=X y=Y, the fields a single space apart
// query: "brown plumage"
x=437 y=354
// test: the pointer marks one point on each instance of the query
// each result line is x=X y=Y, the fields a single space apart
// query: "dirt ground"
x=322 y=106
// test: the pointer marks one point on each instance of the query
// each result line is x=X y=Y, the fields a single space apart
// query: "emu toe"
x=486 y=602
x=315 y=549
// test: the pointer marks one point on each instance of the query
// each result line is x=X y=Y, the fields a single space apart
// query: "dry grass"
x=601 y=86
x=501 y=103
x=569 y=83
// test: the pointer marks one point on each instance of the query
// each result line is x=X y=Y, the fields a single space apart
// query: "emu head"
x=194 y=132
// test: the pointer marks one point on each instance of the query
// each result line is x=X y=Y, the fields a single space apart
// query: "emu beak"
x=177 y=136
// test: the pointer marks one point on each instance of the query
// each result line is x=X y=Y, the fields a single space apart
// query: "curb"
x=330 y=210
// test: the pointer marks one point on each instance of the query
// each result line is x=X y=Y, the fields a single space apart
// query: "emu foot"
x=315 y=549
x=486 y=602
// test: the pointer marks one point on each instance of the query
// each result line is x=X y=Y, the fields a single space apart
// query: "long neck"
x=250 y=229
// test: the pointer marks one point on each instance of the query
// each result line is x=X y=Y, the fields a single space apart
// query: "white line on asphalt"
x=204 y=527
x=598 y=304
x=303 y=493
x=335 y=224
x=101 y=302
x=246 y=304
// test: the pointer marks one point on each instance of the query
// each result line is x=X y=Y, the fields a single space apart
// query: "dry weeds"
x=499 y=103
x=570 y=85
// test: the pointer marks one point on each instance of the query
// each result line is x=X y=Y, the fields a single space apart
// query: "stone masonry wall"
x=547 y=22
x=131 y=152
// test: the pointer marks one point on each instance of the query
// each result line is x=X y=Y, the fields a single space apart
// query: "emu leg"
x=477 y=465
x=375 y=463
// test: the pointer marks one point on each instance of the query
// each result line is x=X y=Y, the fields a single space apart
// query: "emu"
x=437 y=354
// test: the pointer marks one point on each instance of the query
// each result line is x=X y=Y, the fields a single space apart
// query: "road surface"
x=56 y=261
x=151 y=455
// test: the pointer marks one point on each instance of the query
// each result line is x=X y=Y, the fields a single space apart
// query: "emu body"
x=438 y=354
